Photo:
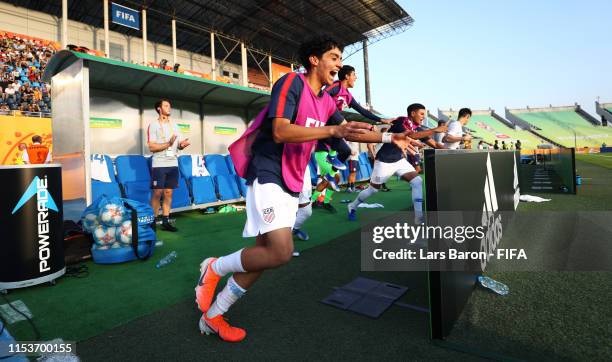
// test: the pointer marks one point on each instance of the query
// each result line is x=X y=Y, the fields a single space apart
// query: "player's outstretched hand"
x=443 y=128
x=352 y=128
x=417 y=143
x=361 y=125
x=403 y=141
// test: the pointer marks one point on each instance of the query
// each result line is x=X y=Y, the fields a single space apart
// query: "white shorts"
x=383 y=170
x=268 y=208
x=306 y=188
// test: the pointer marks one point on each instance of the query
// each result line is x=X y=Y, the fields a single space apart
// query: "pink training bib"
x=313 y=111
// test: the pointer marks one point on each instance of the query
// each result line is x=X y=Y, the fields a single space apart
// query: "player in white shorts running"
x=392 y=161
x=272 y=155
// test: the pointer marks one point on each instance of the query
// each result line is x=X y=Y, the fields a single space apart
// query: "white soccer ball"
x=124 y=232
x=104 y=235
x=112 y=214
x=90 y=221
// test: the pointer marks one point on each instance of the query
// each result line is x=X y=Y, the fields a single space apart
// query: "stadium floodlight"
x=162 y=64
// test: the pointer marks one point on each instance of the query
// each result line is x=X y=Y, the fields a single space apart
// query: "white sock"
x=363 y=195
x=417 y=198
x=303 y=214
x=228 y=296
x=228 y=264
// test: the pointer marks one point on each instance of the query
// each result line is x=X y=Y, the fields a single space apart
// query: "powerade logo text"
x=44 y=203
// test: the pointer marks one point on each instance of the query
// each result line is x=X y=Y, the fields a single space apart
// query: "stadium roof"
x=275 y=27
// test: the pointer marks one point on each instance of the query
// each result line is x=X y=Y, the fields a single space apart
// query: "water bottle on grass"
x=494 y=285
x=166 y=260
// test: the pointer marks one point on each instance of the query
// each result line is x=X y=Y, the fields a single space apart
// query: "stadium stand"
x=605 y=111
x=489 y=126
x=565 y=126
x=22 y=62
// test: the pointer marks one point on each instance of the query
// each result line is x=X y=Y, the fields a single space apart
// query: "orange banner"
x=15 y=130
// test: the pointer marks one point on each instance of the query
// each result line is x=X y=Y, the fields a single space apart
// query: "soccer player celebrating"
x=272 y=155
x=455 y=135
x=333 y=147
x=392 y=161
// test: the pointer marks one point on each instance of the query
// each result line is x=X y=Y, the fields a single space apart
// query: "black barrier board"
x=483 y=184
x=550 y=171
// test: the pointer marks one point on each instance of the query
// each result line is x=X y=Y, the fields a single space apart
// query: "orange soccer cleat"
x=205 y=290
x=219 y=325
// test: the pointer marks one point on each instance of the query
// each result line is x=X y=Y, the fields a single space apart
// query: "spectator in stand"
x=21 y=58
x=496 y=145
x=37 y=153
x=504 y=146
x=23 y=149
x=518 y=145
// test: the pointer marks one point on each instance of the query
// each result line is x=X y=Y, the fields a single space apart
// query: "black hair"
x=36 y=139
x=158 y=104
x=414 y=107
x=346 y=70
x=316 y=46
x=464 y=112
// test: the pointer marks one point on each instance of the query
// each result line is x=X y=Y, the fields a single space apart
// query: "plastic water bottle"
x=166 y=260
x=497 y=287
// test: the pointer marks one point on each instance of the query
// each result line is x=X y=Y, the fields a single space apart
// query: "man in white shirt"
x=454 y=135
x=163 y=142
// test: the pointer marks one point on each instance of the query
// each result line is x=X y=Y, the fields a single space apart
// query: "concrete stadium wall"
x=131 y=138
x=222 y=116
x=115 y=141
x=33 y=23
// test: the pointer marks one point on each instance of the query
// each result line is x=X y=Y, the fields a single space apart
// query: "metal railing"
x=26 y=114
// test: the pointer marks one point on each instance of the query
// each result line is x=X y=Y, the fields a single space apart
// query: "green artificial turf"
x=136 y=312
x=78 y=308
x=599 y=159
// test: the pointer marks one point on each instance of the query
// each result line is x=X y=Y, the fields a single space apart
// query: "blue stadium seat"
x=364 y=165
x=216 y=165
x=313 y=169
x=180 y=195
x=134 y=176
x=242 y=186
x=239 y=180
x=99 y=188
x=201 y=188
x=228 y=185
x=230 y=165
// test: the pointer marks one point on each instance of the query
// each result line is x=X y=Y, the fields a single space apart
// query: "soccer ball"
x=116 y=245
x=124 y=232
x=90 y=221
x=104 y=235
x=112 y=214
